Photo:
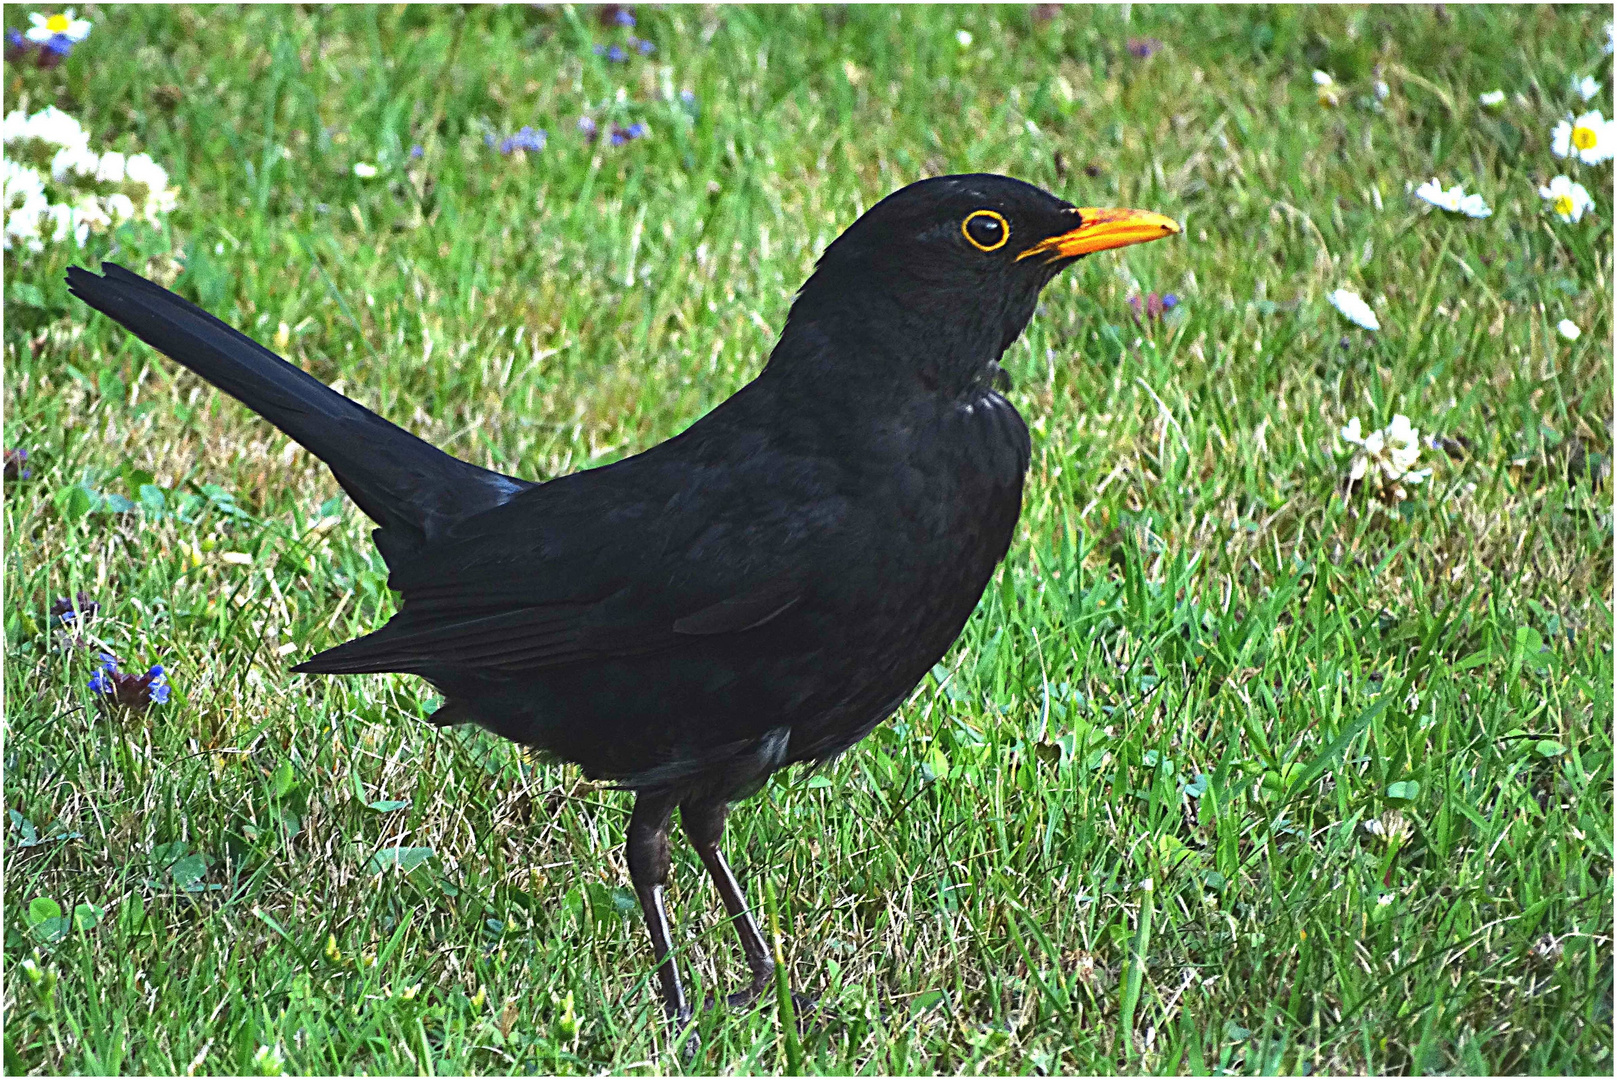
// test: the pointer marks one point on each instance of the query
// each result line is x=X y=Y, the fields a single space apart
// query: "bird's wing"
x=593 y=566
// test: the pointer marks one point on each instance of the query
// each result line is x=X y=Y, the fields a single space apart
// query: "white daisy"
x=1354 y=309
x=364 y=170
x=1568 y=329
x=1492 y=98
x=1433 y=192
x=1588 y=137
x=1454 y=200
x=61 y=24
x=1568 y=199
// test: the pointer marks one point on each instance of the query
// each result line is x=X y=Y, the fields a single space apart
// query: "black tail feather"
x=407 y=486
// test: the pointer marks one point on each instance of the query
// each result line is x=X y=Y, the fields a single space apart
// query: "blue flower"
x=1170 y=301
x=621 y=135
x=586 y=127
x=623 y=17
x=646 y=48
x=130 y=691
x=527 y=138
x=416 y=151
x=157 y=686
x=616 y=54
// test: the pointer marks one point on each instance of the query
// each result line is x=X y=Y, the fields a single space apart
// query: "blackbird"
x=760 y=590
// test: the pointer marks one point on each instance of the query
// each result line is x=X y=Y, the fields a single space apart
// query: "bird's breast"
x=946 y=488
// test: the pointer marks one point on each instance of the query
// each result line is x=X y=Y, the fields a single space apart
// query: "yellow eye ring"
x=1004 y=230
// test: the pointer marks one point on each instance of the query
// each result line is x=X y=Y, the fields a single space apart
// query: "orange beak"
x=1102 y=229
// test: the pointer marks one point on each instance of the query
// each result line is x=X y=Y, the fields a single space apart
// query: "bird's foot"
x=687 y=1040
x=760 y=993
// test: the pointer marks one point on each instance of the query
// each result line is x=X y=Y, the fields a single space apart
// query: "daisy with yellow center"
x=1589 y=138
x=1569 y=200
x=60 y=24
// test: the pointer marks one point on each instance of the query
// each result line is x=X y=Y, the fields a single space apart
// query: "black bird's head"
x=943 y=275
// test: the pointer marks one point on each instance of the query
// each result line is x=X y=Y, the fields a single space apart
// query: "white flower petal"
x=1492 y=98
x=1561 y=139
x=111 y=168
x=1569 y=329
x=1354 y=309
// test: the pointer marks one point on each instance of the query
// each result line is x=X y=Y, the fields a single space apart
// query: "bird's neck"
x=883 y=349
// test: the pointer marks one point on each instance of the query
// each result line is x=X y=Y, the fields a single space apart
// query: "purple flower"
x=129 y=691
x=1170 y=301
x=646 y=48
x=416 y=151
x=616 y=54
x=587 y=128
x=621 y=135
x=615 y=15
x=527 y=138
x=17 y=46
x=1143 y=48
x=66 y=609
x=623 y=17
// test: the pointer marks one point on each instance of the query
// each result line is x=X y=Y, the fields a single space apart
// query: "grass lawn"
x=1242 y=766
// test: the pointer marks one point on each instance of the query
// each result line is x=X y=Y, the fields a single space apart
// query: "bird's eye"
x=986 y=229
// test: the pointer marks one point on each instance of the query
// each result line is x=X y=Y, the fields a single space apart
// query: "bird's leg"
x=704 y=827
x=647 y=852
